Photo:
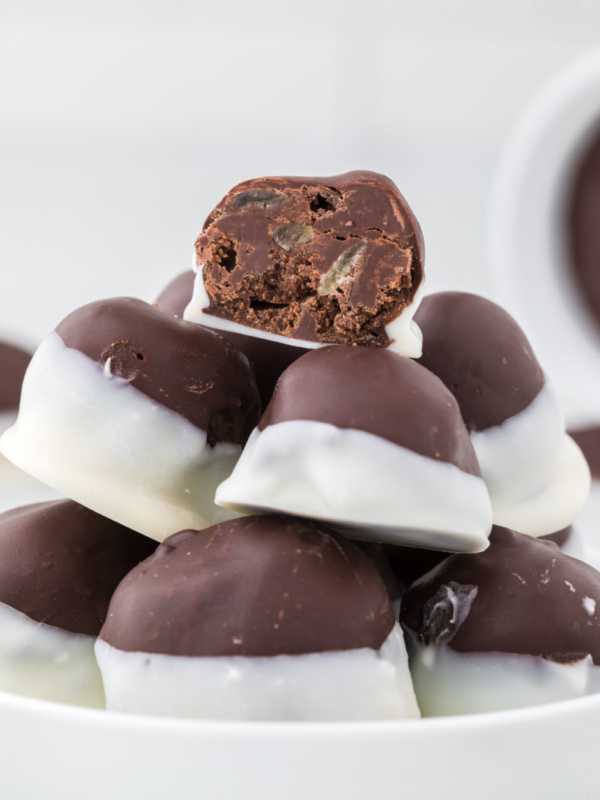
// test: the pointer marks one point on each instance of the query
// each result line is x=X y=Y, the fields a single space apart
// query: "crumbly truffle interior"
x=332 y=260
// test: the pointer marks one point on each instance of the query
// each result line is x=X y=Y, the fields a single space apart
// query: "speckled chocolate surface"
x=481 y=354
x=522 y=595
x=189 y=369
x=13 y=365
x=255 y=586
x=376 y=391
x=61 y=562
x=332 y=260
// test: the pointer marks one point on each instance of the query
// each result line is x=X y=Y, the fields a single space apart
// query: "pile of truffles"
x=298 y=489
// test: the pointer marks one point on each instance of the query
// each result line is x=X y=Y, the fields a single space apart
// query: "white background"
x=123 y=123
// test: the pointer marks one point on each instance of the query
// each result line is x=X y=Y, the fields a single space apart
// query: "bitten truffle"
x=135 y=414
x=536 y=475
x=59 y=565
x=371 y=443
x=256 y=618
x=515 y=626
x=334 y=260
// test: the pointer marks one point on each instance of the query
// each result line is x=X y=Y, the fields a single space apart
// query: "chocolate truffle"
x=515 y=626
x=334 y=260
x=582 y=229
x=371 y=443
x=59 y=565
x=536 y=475
x=256 y=618
x=267 y=358
x=136 y=414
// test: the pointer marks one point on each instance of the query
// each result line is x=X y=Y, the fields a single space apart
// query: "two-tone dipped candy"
x=136 y=414
x=258 y=618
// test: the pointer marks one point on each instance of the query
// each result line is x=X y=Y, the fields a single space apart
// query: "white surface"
x=526 y=234
x=349 y=685
x=103 y=443
x=368 y=486
x=94 y=754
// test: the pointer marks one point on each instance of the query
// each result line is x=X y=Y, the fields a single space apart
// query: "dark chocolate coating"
x=588 y=440
x=267 y=245
x=189 y=369
x=583 y=227
x=379 y=392
x=176 y=296
x=255 y=586
x=522 y=595
x=411 y=563
x=481 y=354
x=13 y=365
x=60 y=563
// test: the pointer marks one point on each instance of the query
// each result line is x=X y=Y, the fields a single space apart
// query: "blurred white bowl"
x=49 y=750
x=526 y=236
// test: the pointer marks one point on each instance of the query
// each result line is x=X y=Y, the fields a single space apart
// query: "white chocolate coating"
x=101 y=442
x=403 y=332
x=371 y=488
x=447 y=682
x=41 y=661
x=537 y=477
x=360 y=684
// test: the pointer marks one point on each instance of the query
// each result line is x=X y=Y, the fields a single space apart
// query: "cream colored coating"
x=38 y=660
x=371 y=488
x=350 y=685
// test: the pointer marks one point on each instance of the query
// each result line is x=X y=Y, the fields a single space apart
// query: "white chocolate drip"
x=101 y=442
x=371 y=488
x=360 y=684
x=42 y=661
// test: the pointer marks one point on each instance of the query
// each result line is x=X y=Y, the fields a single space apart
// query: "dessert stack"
x=272 y=447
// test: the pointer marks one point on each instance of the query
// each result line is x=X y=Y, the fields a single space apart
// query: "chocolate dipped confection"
x=363 y=439
x=582 y=231
x=59 y=565
x=334 y=260
x=536 y=475
x=237 y=621
x=267 y=358
x=517 y=625
x=135 y=414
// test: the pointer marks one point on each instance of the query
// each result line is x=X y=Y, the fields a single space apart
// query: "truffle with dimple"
x=135 y=414
x=515 y=626
x=334 y=260
x=256 y=618
x=363 y=439
x=59 y=565
x=536 y=475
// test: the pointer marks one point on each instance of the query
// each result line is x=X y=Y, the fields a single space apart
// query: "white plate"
x=548 y=752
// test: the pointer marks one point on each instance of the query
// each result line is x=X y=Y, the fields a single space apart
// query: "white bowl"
x=526 y=241
x=54 y=751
